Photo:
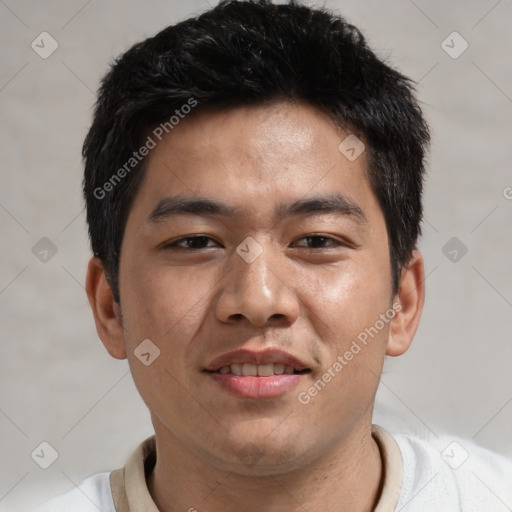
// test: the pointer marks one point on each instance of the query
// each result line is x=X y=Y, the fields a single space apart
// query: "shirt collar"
x=130 y=491
x=392 y=468
x=129 y=488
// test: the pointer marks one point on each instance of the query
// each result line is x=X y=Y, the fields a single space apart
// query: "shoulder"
x=91 y=495
x=441 y=472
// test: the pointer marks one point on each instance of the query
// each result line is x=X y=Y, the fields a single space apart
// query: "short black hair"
x=250 y=53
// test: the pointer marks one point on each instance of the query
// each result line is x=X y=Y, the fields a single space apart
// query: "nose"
x=258 y=292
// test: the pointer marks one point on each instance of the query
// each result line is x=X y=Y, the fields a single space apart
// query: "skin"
x=309 y=297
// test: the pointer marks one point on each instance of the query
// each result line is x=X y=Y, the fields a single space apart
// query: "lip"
x=256 y=387
x=251 y=387
x=268 y=356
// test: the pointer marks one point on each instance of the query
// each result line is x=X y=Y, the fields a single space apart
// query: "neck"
x=348 y=477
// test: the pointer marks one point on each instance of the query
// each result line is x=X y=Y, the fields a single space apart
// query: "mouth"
x=259 y=370
x=257 y=375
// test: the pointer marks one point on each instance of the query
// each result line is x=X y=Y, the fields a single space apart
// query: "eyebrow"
x=180 y=205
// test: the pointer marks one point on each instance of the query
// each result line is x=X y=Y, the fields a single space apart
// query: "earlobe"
x=408 y=305
x=107 y=314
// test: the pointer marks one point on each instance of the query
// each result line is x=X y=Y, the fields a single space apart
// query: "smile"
x=260 y=370
x=257 y=375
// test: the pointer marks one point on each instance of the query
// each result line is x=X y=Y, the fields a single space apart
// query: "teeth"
x=278 y=369
x=249 y=369
x=253 y=370
x=265 y=370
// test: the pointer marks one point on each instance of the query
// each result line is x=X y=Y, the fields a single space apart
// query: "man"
x=253 y=182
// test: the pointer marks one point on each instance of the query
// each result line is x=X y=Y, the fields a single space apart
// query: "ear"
x=107 y=313
x=408 y=304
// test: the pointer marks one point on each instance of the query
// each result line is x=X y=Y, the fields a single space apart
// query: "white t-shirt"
x=435 y=475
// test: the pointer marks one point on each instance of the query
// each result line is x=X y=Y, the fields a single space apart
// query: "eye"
x=190 y=242
x=319 y=241
x=201 y=242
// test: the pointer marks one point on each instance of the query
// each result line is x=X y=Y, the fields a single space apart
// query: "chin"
x=263 y=453
x=253 y=460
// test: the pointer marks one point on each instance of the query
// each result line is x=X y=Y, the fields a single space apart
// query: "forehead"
x=260 y=136
x=254 y=157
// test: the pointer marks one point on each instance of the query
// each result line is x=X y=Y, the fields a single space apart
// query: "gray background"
x=58 y=383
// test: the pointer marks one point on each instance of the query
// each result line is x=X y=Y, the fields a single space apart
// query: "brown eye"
x=320 y=241
x=191 y=242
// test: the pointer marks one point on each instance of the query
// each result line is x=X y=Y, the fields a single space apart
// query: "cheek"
x=349 y=306
x=170 y=306
x=165 y=304
x=347 y=300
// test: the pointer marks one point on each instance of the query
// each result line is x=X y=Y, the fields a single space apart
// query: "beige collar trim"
x=393 y=469
x=131 y=494
x=129 y=488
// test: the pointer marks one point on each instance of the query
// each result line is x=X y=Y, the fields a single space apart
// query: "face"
x=252 y=295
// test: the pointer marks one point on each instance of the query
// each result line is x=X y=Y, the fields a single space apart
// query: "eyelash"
x=176 y=242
